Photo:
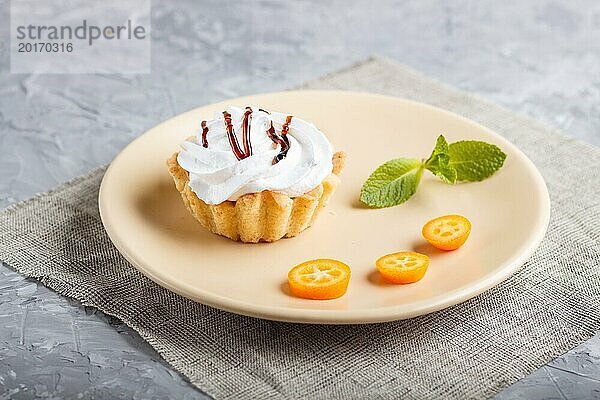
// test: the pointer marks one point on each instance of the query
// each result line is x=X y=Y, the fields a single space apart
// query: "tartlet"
x=269 y=214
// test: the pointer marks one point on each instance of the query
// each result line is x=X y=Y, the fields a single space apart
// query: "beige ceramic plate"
x=147 y=221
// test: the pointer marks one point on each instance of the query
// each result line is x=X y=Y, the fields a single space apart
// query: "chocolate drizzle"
x=233 y=142
x=285 y=142
x=204 y=132
x=278 y=140
x=246 y=132
x=286 y=126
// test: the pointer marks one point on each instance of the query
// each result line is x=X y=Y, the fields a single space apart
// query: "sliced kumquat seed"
x=403 y=267
x=448 y=232
x=320 y=279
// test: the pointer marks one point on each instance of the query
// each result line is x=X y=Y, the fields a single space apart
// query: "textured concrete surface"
x=540 y=58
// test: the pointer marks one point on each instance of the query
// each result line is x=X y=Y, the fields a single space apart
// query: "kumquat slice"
x=320 y=279
x=448 y=232
x=403 y=267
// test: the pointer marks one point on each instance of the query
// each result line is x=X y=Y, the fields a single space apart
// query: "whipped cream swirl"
x=217 y=175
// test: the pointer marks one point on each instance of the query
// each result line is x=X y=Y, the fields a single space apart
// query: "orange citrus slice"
x=320 y=279
x=403 y=267
x=448 y=232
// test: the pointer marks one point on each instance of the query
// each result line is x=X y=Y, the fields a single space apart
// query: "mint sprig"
x=395 y=181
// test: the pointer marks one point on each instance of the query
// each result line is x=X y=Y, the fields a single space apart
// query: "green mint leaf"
x=446 y=173
x=392 y=183
x=438 y=162
x=474 y=160
x=441 y=146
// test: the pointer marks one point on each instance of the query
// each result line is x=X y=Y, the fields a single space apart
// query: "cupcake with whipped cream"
x=254 y=175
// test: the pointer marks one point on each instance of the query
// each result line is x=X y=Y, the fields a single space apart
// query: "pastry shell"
x=266 y=216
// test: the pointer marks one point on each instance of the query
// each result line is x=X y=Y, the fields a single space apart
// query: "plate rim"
x=361 y=316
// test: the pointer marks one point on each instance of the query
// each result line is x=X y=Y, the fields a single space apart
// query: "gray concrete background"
x=540 y=58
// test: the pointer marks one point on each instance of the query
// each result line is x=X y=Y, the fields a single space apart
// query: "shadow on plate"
x=161 y=205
